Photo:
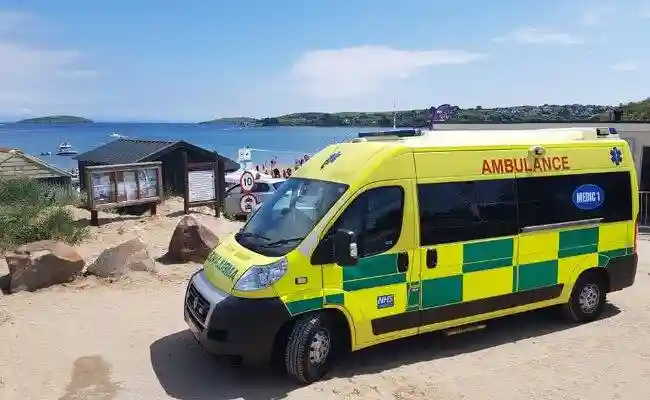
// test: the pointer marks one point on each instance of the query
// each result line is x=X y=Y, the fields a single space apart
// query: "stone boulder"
x=42 y=264
x=121 y=259
x=191 y=241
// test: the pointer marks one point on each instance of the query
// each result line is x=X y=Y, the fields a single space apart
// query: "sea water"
x=285 y=143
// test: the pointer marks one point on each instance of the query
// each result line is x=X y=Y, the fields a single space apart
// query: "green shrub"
x=32 y=211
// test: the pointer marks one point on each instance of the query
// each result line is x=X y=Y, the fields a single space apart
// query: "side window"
x=260 y=187
x=566 y=198
x=375 y=217
x=460 y=211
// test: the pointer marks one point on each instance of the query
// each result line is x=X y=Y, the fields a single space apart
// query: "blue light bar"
x=612 y=130
x=399 y=133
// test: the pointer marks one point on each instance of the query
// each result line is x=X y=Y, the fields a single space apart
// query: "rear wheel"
x=587 y=300
x=309 y=348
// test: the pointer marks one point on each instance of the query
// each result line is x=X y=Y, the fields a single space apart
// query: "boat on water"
x=66 y=149
x=46 y=153
x=116 y=135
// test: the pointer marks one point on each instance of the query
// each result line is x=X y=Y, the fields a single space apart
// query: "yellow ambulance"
x=397 y=233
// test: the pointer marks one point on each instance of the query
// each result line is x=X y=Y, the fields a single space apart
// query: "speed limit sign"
x=247 y=203
x=247 y=181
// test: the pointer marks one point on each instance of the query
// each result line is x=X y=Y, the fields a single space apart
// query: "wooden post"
x=217 y=203
x=186 y=200
x=94 y=218
x=153 y=208
x=221 y=167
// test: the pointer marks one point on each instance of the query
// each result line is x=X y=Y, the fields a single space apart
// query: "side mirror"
x=345 y=248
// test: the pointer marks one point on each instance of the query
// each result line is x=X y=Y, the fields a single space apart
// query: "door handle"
x=432 y=258
x=402 y=262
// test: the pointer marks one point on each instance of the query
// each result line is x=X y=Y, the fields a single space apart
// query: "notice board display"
x=202 y=186
x=115 y=186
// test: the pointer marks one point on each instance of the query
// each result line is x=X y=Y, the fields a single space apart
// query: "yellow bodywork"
x=523 y=262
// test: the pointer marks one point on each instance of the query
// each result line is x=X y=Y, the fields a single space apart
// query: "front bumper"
x=233 y=327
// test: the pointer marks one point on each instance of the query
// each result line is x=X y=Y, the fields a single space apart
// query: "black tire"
x=307 y=334
x=587 y=300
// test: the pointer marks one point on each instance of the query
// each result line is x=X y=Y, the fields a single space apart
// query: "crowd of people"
x=274 y=168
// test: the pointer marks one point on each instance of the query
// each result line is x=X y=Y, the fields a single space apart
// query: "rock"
x=191 y=241
x=39 y=265
x=120 y=260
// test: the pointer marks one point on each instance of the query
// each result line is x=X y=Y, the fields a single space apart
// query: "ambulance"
x=398 y=233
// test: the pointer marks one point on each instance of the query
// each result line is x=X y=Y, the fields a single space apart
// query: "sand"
x=127 y=340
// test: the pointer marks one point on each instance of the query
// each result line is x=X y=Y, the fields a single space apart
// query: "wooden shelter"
x=170 y=153
x=16 y=164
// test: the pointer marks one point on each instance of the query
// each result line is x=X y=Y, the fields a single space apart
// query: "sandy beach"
x=95 y=339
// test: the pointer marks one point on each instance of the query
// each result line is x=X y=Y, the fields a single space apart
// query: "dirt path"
x=128 y=341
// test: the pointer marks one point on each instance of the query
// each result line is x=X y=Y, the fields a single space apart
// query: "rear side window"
x=460 y=211
x=567 y=198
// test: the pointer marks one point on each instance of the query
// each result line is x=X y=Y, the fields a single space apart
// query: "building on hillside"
x=16 y=164
x=170 y=153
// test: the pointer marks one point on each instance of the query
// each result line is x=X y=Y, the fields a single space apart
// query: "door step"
x=463 y=329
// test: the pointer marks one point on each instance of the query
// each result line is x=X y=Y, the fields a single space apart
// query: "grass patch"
x=31 y=210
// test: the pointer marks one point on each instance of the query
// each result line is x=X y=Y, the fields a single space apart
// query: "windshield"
x=286 y=218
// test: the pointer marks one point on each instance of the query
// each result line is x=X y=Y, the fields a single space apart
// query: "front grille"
x=197 y=304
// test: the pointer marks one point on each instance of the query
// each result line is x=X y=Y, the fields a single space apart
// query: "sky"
x=188 y=61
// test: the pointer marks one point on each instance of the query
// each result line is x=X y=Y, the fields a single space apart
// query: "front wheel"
x=308 y=351
x=587 y=300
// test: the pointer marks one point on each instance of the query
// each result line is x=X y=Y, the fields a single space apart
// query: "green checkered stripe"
x=381 y=270
x=370 y=272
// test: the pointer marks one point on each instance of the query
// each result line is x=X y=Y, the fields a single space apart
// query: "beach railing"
x=644 y=209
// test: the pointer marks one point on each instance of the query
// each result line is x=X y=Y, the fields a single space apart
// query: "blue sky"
x=178 y=60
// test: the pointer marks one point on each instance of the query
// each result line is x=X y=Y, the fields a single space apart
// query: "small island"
x=56 y=119
x=237 y=121
x=638 y=112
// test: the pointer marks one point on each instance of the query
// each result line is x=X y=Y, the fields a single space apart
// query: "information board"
x=201 y=186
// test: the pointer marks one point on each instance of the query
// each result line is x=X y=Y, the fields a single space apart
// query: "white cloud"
x=34 y=77
x=357 y=71
x=539 y=36
x=626 y=67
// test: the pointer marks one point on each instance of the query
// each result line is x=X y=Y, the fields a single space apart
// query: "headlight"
x=262 y=276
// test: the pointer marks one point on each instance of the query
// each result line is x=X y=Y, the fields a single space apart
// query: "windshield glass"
x=286 y=218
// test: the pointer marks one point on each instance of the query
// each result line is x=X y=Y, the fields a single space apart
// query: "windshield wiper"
x=284 y=241
x=251 y=234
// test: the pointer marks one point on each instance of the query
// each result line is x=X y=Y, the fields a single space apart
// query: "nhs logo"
x=588 y=197
x=385 y=301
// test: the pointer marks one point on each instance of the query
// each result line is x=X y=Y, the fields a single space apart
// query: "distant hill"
x=56 y=119
x=239 y=121
x=568 y=113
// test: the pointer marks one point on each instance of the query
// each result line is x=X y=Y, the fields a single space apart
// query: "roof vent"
x=401 y=133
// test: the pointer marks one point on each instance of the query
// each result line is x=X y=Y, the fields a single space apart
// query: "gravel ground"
x=128 y=340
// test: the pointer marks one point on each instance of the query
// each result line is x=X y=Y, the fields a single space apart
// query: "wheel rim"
x=589 y=298
x=319 y=348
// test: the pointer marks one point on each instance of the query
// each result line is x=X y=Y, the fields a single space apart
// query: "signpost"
x=244 y=158
x=247 y=181
x=247 y=203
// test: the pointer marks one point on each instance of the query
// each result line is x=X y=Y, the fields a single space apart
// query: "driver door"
x=375 y=292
